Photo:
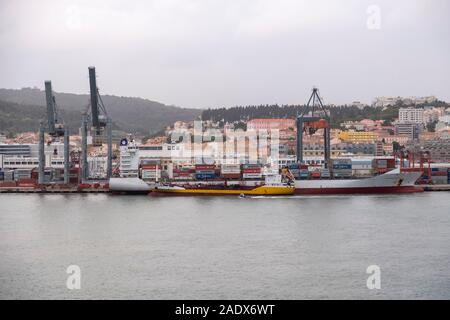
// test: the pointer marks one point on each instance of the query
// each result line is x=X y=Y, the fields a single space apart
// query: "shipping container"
x=205 y=167
x=325 y=173
x=22 y=173
x=439 y=179
x=342 y=174
x=251 y=165
x=184 y=178
x=383 y=165
x=341 y=163
x=315 y=174
x=183 y=174
x=184 y=170
x=231 y=175
x=145 y=162
x=304 y=173
x=149 y=166
x=230 y=168
x=204 y=171
x=150 y=174
x=342 y=167
x=439 y=173
x=253 y=170
x=205 y=176
x=252 y=176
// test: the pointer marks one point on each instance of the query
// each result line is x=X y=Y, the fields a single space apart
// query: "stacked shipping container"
x=251 y=171
x=439 y=175
x=383 y=165
x=205 y=171
x=230 y=171
x=342 y=168
x=150 y=170
x=184 y=173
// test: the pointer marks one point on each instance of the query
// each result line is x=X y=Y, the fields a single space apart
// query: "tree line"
x=338 y=114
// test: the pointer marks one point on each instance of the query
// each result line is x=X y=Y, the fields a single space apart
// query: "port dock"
x=53 y=190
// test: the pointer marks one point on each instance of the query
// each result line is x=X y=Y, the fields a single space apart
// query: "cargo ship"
x=142 y=169
x=393 y=181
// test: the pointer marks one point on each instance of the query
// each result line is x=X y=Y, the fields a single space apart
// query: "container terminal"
x=52 y=167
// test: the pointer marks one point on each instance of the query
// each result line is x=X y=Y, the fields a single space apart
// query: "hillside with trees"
x=134 y=115
x=15 y=118
x=338 y=114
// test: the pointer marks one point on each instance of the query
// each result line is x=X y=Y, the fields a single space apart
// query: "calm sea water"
x=209 y=248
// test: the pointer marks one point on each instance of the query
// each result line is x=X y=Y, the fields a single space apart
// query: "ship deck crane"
x=56 y=130
x=98 y=123
x=314 y=117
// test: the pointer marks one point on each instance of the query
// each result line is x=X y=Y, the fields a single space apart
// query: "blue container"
x=203 y=176
x=304 y=175
x=205 y=172
x=2 y=175
x=342 y=166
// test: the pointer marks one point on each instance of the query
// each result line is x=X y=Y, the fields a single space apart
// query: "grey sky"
x=212 y=53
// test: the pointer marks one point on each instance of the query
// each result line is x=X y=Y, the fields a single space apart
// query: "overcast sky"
x=214 y=53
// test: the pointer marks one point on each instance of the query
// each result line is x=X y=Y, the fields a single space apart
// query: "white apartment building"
x=410 y=115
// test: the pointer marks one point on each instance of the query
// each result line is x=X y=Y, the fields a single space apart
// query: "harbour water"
x=139 y=247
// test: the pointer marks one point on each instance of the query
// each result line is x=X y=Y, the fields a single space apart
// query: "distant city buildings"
x=426 y=127
x=358 y=136
x=432 y=114
x=268 y=124
x=410 y=115
x=399 y=138
x=363 y=125
x=411 y=130
x=443 y=123
x=392 y=101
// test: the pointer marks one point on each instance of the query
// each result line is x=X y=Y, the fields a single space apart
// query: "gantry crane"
x=314 y=117
x=98 y=123
x=412 y=156
x=56 y=130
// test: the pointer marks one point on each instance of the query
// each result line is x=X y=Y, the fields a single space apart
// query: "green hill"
x=20 y=109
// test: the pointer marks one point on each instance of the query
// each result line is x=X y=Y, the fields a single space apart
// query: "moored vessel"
x=393 y=181
x=265 y=190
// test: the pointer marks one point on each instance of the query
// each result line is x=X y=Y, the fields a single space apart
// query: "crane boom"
x=55 y=128
x=51 y=111
x=94 y=98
